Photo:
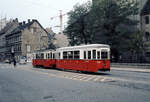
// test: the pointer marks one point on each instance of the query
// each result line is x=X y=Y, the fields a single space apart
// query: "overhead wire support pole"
x=61 y=22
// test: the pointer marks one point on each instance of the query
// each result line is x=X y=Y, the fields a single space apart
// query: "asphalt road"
x=26 y=84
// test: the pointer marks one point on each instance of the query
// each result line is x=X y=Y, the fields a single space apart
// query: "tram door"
x=92 y=60
x=85 y=63
x=90 y=54
x=104 y=57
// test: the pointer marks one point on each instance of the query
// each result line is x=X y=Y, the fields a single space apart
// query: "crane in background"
x=61 y=20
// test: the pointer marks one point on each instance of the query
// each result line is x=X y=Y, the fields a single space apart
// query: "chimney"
x=33 y=20
x=28 y=20
x=20 y=23
x=16 y=19
x=24 y=22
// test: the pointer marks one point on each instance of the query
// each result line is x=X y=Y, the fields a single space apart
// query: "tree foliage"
x=76 y=24
x=137 y=43
x=108 y=22
x=115 y=23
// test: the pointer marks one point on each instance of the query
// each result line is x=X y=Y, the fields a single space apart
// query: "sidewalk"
x=131 y=65
x=131 y=69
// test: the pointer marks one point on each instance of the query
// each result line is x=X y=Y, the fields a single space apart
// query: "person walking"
x=14 y=62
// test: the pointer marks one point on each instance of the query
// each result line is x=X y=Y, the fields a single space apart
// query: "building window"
x=34 y=30
x=28 y=48
x=147 y=36
x=31 y=30
x=147 y=54
x=146 y=19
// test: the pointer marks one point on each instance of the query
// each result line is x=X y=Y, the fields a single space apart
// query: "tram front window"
x=104 y=54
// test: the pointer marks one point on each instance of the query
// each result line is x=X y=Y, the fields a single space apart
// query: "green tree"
x=114 y=18
x=137 y=44
x=76 y=29
x=107 y=21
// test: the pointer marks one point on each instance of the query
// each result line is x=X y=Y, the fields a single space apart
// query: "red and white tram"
x=44 y=58
x=90 y=58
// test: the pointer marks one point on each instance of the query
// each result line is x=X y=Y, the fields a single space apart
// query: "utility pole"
x=61 y=22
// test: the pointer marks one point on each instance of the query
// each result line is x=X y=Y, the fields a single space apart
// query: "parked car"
x=6 y=61
x=22 y=61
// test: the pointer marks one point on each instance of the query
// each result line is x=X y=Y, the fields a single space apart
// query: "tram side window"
x=94 y=54
x=58 y=55
x=64 y=55
x=104 y=54
x=70 y=55
x=98 y=54
x=37 y=56
x=53 y=55
x=84 y=54
x=89 y=54
x=76 y=54
x=42 y=55
x=48 y=55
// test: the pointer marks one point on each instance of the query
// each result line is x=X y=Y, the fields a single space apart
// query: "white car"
x=6 y=61
x=22 y=61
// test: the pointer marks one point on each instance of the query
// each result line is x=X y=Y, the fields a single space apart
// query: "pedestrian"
x=14 y=62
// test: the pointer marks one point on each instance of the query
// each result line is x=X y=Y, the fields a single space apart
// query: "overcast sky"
x=42 y=10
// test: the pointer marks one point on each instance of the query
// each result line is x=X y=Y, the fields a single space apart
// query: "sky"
x=42 y=10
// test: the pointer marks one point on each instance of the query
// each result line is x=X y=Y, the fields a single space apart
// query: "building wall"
x=146 y=28
x=8 y=28
x=13 y=42
x=22 y=39
x=33 y=38
x=61 y=40
x=2 y=47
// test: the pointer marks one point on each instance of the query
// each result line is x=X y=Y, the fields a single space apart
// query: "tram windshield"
x=104 y=55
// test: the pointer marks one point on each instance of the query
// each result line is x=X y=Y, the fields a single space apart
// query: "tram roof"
x=85 y=46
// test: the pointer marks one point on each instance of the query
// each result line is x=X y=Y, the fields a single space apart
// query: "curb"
x=131 y=69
